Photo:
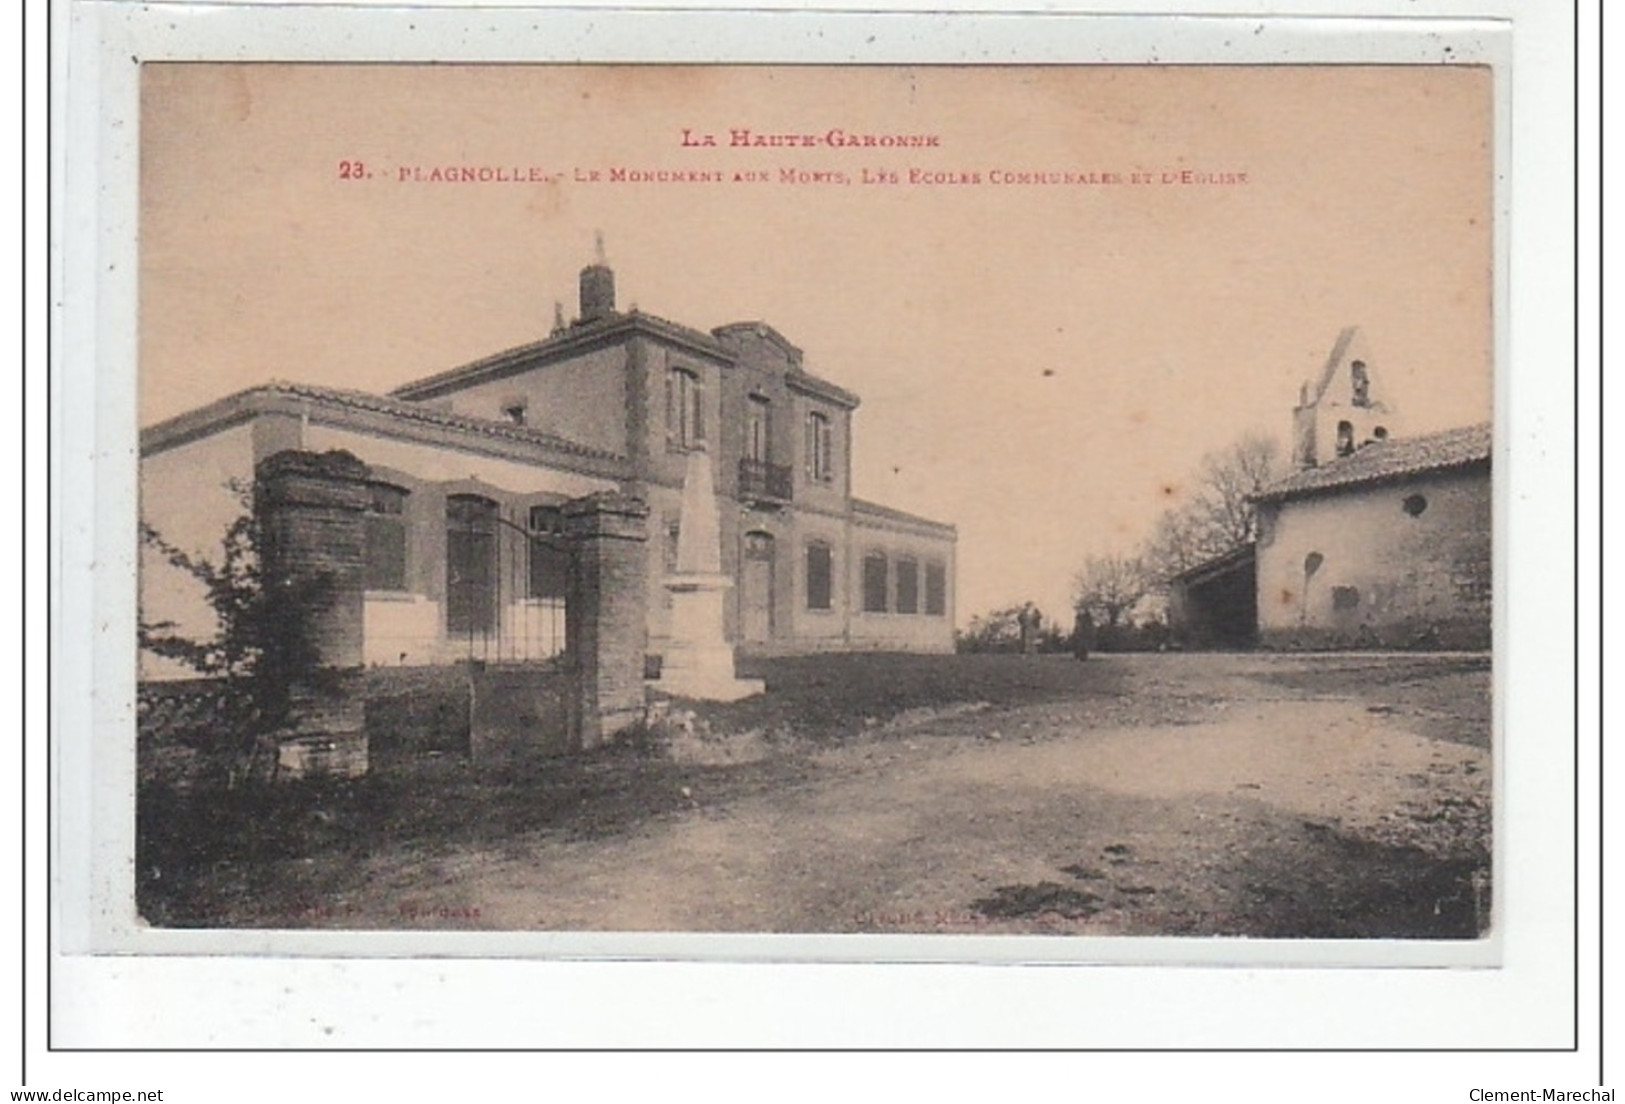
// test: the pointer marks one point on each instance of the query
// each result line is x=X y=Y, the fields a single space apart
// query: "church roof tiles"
x=1384 y=461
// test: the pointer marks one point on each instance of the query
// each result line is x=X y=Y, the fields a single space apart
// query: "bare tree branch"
x=1219 y=515
x=1109 y=586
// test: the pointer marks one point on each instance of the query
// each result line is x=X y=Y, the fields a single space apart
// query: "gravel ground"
x=1249 y=795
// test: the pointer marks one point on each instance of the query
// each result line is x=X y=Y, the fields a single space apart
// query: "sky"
x=1042 y=364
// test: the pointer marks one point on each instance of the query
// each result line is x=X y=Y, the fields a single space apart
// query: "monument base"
x=698 y=663
x=703 y=673
x=707 y=686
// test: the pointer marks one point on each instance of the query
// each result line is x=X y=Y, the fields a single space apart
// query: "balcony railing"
x=759 y=481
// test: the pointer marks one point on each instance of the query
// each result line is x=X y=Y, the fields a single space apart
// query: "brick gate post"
x=311 y=509
x=606 y=616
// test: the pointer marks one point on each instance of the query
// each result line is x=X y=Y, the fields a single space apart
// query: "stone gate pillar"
x=311 y=509
x=606 y=618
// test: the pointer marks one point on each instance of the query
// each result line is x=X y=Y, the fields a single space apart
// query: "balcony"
x=760 y=481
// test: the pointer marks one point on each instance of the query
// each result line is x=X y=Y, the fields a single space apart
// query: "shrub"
x=262 y=649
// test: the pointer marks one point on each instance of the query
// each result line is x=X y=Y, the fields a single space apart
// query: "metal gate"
x=506 y=581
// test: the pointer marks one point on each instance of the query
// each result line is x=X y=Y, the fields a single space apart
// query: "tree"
x=1220 y=514
x=1107 y=589
x=1000 y=631
x=996 y=631
x=263 y=645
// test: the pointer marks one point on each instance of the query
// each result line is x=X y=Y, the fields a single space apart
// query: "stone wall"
x=1405 y=564
x=520 y=711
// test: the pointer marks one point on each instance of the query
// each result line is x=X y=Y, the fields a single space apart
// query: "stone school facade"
x=470 y=471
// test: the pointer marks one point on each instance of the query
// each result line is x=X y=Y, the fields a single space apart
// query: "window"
x=386 y=538
x=1360 y=382
x=1380 y=433
x=874 y=583
x=819 y=576
x=685 y=408
x=756 y=429
x=1345 y=438
x=471 y=565
x=549 y=560
x=908 y=586
x=1414 y=504
x=936 y=590
x=820 y=448
x=514 y=411
x=1345 y=597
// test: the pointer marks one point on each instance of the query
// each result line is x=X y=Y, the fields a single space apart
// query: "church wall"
x=1386 y=577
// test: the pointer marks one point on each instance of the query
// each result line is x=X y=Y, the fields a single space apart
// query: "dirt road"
x=1253 y=795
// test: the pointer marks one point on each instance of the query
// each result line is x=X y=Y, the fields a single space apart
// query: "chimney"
x=597 y=292
x=597 y=286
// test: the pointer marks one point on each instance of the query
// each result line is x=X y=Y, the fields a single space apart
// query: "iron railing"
x=759 y=480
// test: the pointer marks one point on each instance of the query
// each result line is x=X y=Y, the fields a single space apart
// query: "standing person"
x=1083 y=634
x=1028 y=619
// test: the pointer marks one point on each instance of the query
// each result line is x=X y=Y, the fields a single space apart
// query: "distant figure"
x=1083 y=635
x=1029 y=619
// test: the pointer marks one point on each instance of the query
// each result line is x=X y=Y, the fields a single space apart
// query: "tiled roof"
x=242 y=404
x=1382 y=461
x=419 y=412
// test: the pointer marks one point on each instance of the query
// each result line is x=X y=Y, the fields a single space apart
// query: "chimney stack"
x=597 y=292
x=597 y=286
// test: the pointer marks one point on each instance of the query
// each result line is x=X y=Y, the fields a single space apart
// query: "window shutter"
x=818 y=577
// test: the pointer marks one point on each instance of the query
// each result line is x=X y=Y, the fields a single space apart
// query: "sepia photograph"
x=933 y=500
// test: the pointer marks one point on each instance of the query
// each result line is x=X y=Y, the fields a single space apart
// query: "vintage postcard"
x=903 y=499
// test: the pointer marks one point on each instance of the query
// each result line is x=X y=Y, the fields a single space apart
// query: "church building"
x=470 y=467
x=1376 y=539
